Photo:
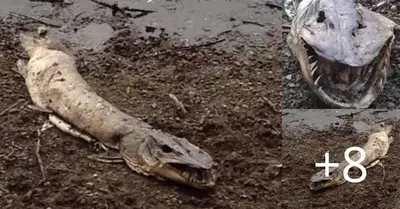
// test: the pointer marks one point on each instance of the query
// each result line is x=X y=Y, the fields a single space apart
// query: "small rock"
x=244 y=72
x=292 y=85
x=207 y=29
x=289 y=77
x=393 y=8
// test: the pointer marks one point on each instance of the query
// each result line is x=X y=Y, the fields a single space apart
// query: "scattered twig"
x=7 y=157
x=10 y=107
x=206 y=44
x=178 y=103
x=379 y=111
x=185 y=48
x=378 y=5
x=380 y=121
x=274 y=5
x=35 y=19
x=384 y=174
x=203 y=117
x=115 y=9
x=351 y=115
x=38 y=109
x=78 y=15
x=39 y=159
x=4 y=190
x=229 y=30
x=269 y=103
x=252 y=23
x=352 y=203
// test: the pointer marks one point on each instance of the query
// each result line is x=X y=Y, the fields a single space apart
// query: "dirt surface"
x=297 y=94
x=309 y=134
x=232 y=91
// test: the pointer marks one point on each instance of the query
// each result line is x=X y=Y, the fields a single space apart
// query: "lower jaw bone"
x=330 y=100
x=363 y=103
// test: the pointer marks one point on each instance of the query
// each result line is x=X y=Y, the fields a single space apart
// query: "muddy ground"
x=232 y=91
x=309 y=134
x=298 y=95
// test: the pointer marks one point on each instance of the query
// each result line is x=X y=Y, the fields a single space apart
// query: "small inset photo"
x=341 y=158
x=341 y=54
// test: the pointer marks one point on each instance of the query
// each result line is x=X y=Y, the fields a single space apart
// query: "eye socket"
x=166 y=148
x=321 y=17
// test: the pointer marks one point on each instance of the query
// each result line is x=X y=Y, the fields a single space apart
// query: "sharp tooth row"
x=316 y=81
x=314 y=67
x=185 y=174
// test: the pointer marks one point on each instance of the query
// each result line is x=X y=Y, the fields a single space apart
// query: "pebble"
x=289 y=77
x=393 y=8
x=391 y=105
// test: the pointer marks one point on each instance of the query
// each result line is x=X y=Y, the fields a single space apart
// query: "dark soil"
x=232 y=97
x=309 y=134
x=298 y=95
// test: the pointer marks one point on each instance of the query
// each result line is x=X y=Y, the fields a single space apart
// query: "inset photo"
x=340 y=158
x=341 y=60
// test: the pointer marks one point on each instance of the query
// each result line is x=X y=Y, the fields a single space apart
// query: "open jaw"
x=195 y=177
x=168 y=157
x=319 y=181
x=344 y=86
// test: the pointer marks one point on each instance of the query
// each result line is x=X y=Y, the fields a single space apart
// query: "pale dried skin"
x=55 y=85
